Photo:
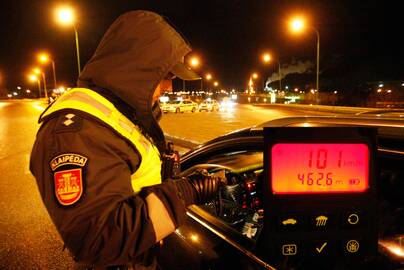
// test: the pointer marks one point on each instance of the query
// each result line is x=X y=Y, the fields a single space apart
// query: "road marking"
x=321 y=248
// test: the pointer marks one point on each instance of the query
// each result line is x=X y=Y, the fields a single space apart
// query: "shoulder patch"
x=69 y=173
x=68 y=123
x=68 y=159
x=68 y=186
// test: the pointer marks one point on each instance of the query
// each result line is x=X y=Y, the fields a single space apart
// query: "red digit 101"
x=321 y=158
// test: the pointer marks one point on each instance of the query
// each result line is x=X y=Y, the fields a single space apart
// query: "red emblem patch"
x=68 y=186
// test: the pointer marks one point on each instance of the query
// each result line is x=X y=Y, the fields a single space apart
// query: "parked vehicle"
x=209 y=105
x=179 y=106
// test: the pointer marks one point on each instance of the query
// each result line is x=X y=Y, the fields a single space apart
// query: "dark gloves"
x=199 y=187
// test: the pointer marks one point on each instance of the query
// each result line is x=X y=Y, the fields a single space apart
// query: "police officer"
x=97 y=157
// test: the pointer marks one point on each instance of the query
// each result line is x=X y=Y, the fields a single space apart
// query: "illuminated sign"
x=303 y=168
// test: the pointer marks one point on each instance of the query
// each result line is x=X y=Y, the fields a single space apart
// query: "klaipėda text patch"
x=68 y=159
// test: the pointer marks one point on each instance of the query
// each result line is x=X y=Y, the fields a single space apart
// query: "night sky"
x=360 y=40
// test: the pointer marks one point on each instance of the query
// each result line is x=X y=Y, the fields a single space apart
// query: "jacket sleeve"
x=109 y=224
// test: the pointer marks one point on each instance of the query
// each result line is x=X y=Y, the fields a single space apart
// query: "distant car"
x=227 y=104
x=179 y=106
x=209 y=105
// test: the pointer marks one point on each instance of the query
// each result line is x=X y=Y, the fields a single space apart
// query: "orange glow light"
x=194 y=61
x=297 y=24
x=43 y=58
x=32 y=77
x=266 y=57
x=36 y=71
x=65 y=15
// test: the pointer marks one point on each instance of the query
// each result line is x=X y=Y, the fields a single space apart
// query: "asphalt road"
x=203 y=126
x=28 y=239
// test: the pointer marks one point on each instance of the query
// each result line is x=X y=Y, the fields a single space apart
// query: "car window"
x=239 y=200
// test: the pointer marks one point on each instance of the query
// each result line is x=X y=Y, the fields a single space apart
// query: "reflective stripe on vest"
x=96 y=105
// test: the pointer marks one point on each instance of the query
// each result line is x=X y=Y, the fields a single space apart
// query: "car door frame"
x=215 y=231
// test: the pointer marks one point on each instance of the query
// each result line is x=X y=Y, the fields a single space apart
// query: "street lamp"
x=44 y=58
x=266 y=58
x=253 y=76
x=34 y=78
x=65 y=16
x=208 y=77
x=39 y=72
x=297 y=25
x=195 y=62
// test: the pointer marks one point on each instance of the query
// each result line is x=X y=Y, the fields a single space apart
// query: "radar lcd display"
x=304 y=168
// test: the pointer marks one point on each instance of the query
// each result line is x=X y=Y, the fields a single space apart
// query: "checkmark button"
x=321 y=247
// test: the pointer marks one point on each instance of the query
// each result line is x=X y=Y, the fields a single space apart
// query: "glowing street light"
x=39 y=72
x=44 y=58
x=216 y=83
x=266 y=58
x=251 y=83
x=194 y=61
x=65 y=16
x=297 y=25
x=33 y=78
x=208 y=77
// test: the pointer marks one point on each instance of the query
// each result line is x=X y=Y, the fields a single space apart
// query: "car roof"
x=333 y=120
x=388 y=113
x=390 y=131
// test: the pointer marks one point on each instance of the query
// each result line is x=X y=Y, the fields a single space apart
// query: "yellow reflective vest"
x=90 y=102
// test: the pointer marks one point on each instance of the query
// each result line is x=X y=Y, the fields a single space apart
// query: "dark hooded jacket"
x=109 y=224
x=132 y=58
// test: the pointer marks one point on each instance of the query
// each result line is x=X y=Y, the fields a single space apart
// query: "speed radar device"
x=320 y=194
